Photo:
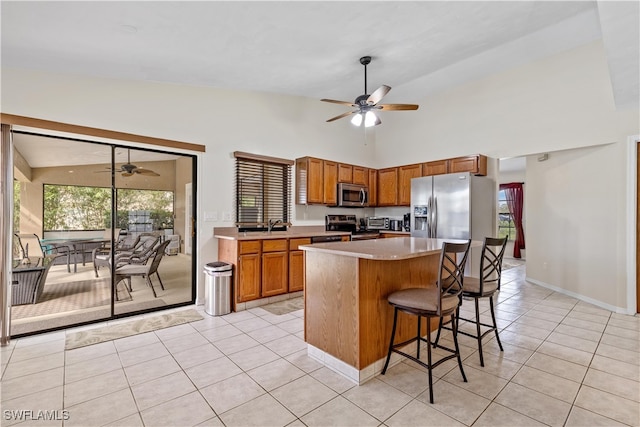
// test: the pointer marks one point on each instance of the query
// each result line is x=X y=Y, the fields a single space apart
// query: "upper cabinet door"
x=361 y=175
x=388 y=187
x=405 y=174
x=309 y=181
x=345 y=173
x=476 y=164
x=330 y=183
x=439 y=167
x=373 y=187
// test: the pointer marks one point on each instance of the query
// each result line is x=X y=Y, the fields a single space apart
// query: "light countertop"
x=294 y=232
x=384 y=249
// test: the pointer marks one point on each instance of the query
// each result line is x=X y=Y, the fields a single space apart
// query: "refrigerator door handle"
x=429 y=217
x=435 y=217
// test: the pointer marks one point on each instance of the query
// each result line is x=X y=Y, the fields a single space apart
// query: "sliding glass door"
x=98 y=231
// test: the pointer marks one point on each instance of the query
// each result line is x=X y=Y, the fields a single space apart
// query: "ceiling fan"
x=128 y=169
x=366 y=105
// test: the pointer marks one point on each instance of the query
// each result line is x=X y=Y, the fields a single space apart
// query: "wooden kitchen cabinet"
x=345 y=173
x=330 y=184
x=476 y=164
x=309 y=181
x=296 y=264
x=405 y=174
x=439 y=167
x=248 y=271
x=361 y=175
x=275 y=272
x=373 y=187
x=387 y=187
x=275 y=267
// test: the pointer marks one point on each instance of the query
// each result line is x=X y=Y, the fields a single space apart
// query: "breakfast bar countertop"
x=384 y=249
x=294 y=232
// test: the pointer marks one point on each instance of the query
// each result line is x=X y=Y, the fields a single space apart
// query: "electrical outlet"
x=226 y=216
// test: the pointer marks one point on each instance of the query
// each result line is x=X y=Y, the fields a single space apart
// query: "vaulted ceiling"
x=312 y=48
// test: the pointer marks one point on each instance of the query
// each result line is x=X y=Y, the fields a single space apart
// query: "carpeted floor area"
x=127 y=329
x=284 y=307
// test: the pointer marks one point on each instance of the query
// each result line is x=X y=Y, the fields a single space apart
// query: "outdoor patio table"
x=74 y=246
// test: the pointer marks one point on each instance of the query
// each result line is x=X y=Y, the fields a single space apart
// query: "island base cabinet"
x=347 y=314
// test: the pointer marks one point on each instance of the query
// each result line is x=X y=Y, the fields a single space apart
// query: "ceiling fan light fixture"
x=365 y=105
x=369 y=119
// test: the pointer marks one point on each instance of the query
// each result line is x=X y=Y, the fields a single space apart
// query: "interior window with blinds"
x=263 y=192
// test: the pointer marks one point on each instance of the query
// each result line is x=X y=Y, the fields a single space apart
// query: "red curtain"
x=513 y=193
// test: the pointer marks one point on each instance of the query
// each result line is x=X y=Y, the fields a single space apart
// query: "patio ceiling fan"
x=366 y=105
x=129 y=169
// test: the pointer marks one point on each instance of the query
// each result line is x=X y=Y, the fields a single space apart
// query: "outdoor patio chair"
x=127 y=271
x=139 y=254
x=29 y=246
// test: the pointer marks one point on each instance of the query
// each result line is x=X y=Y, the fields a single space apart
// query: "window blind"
x=263 y=191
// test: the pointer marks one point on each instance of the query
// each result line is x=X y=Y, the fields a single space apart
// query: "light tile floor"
x=565 y=362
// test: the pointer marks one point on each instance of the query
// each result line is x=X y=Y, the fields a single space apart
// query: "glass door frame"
x=114 y=208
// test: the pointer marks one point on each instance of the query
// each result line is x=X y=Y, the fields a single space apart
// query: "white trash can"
x=217 y=290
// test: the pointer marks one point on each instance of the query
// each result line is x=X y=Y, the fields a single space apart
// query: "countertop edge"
x=383 y=249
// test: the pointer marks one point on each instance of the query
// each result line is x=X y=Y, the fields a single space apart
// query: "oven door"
x=350 y=195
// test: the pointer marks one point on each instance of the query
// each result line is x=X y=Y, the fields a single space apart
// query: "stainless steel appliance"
x=407 y=222
x=348 y=223
x=396 y=224
x=353 y=195
x=454 y=206
x=377 y=223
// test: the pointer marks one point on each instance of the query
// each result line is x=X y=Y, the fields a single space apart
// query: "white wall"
x=557 y=103
x=564 y=101
x=575 y=224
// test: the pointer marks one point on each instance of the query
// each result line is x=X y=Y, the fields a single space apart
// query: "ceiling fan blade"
x=350 y=104
x=348 y=113
x=376 y=96
x=147 y=172
x=397 y=107
x=127 y=173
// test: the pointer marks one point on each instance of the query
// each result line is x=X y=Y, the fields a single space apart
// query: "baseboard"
x=613 y=308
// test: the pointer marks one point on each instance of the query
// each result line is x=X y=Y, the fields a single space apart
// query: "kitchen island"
x=347 y=317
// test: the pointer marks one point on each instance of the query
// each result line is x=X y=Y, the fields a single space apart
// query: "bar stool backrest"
x=491 y=261
x=453 y=258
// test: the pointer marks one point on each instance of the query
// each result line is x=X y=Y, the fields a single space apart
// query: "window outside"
x=506 y=226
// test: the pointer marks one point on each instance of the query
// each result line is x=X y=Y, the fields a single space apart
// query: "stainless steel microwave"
x=353 y=195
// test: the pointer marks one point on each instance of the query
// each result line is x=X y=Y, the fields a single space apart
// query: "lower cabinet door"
x=296 y=271
x=275 y=272
x=248 y=278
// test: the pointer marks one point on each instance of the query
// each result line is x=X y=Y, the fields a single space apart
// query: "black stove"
x=349 y=224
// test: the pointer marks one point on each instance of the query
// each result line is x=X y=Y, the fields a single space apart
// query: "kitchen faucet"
x=273 y=223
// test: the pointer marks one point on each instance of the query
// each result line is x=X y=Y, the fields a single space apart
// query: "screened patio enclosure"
x=95 y=207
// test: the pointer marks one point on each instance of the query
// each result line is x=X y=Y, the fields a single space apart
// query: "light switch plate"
x=226 y=216
x=211 y=216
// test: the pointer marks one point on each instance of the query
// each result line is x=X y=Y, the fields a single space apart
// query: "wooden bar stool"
x=483 y=287
x=438 y=301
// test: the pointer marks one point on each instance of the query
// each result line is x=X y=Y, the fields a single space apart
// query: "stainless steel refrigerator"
x=454 y=206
